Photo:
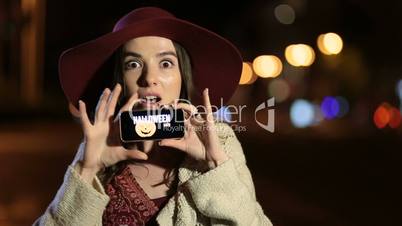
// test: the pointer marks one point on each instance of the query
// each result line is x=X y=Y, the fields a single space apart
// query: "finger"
x=130 y=103
x=100 y=108
x=212 y=140
x=178 y=144
x=86 y=123
x=207 y=104
x=113 y=100
x=188 y=108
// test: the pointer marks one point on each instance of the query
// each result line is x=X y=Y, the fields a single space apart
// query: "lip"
x=143 y=95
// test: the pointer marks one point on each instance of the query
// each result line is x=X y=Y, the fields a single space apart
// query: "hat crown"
x=85 y=70
x=141 y=14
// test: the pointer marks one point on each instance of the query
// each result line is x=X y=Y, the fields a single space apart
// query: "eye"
x=166 y=64
x=132 y=64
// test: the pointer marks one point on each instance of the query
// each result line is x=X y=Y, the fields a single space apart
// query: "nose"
x=149 y=77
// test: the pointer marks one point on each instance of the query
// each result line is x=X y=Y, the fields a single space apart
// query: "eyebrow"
x=161 y=54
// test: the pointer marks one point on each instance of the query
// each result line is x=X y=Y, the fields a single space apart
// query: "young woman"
x=200 y=179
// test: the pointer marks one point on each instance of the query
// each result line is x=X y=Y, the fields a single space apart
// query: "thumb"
x=128 y=106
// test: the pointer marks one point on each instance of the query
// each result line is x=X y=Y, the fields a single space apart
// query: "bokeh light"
x=385 y=114
x=279 y=88
x=285 y=14
x=267 y=66
x=246 y=74
x=330 y=107
x=381 y=116
x=299 y=55
x=395 y=118
x=399 y=89
x=330 y=43
x=301 y=113
x=253 y=76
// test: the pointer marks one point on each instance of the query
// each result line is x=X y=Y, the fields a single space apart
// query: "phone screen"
x=154 y=124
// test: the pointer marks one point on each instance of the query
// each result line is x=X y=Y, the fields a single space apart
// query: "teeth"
x=152 y=99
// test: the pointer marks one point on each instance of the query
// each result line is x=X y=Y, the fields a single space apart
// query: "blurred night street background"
x=333 y=66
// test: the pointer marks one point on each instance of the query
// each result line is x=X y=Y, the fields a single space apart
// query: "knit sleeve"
x=226 y=193
x=76 y=202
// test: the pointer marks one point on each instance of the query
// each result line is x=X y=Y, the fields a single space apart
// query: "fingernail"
x=206 y=90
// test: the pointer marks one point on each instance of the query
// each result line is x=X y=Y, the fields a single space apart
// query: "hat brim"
x=216 y=63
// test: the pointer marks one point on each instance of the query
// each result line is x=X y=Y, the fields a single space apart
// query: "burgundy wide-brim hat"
x=86 y=70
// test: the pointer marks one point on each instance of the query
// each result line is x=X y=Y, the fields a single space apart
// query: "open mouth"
x=151 y=99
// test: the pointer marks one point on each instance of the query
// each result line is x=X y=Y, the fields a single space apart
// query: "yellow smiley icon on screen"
x=145 y=129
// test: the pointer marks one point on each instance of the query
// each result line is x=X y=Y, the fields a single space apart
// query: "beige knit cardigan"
x=224 y=195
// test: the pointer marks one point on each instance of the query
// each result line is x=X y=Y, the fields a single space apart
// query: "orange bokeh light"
x=381 y=117
x=246 y=74
x=385 y=115
x=395 y=118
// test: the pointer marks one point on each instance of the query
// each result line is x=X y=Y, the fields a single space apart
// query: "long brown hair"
x=185 y=93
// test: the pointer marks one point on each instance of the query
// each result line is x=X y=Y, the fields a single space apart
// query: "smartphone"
x=155 y=124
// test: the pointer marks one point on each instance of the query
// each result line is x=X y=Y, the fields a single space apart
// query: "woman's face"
x=151 y=68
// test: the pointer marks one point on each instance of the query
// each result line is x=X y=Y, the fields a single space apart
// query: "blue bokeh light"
x=301 y=113
x=330 y=107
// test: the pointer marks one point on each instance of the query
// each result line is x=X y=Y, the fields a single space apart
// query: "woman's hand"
x=200 y=140
x=101 y=146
